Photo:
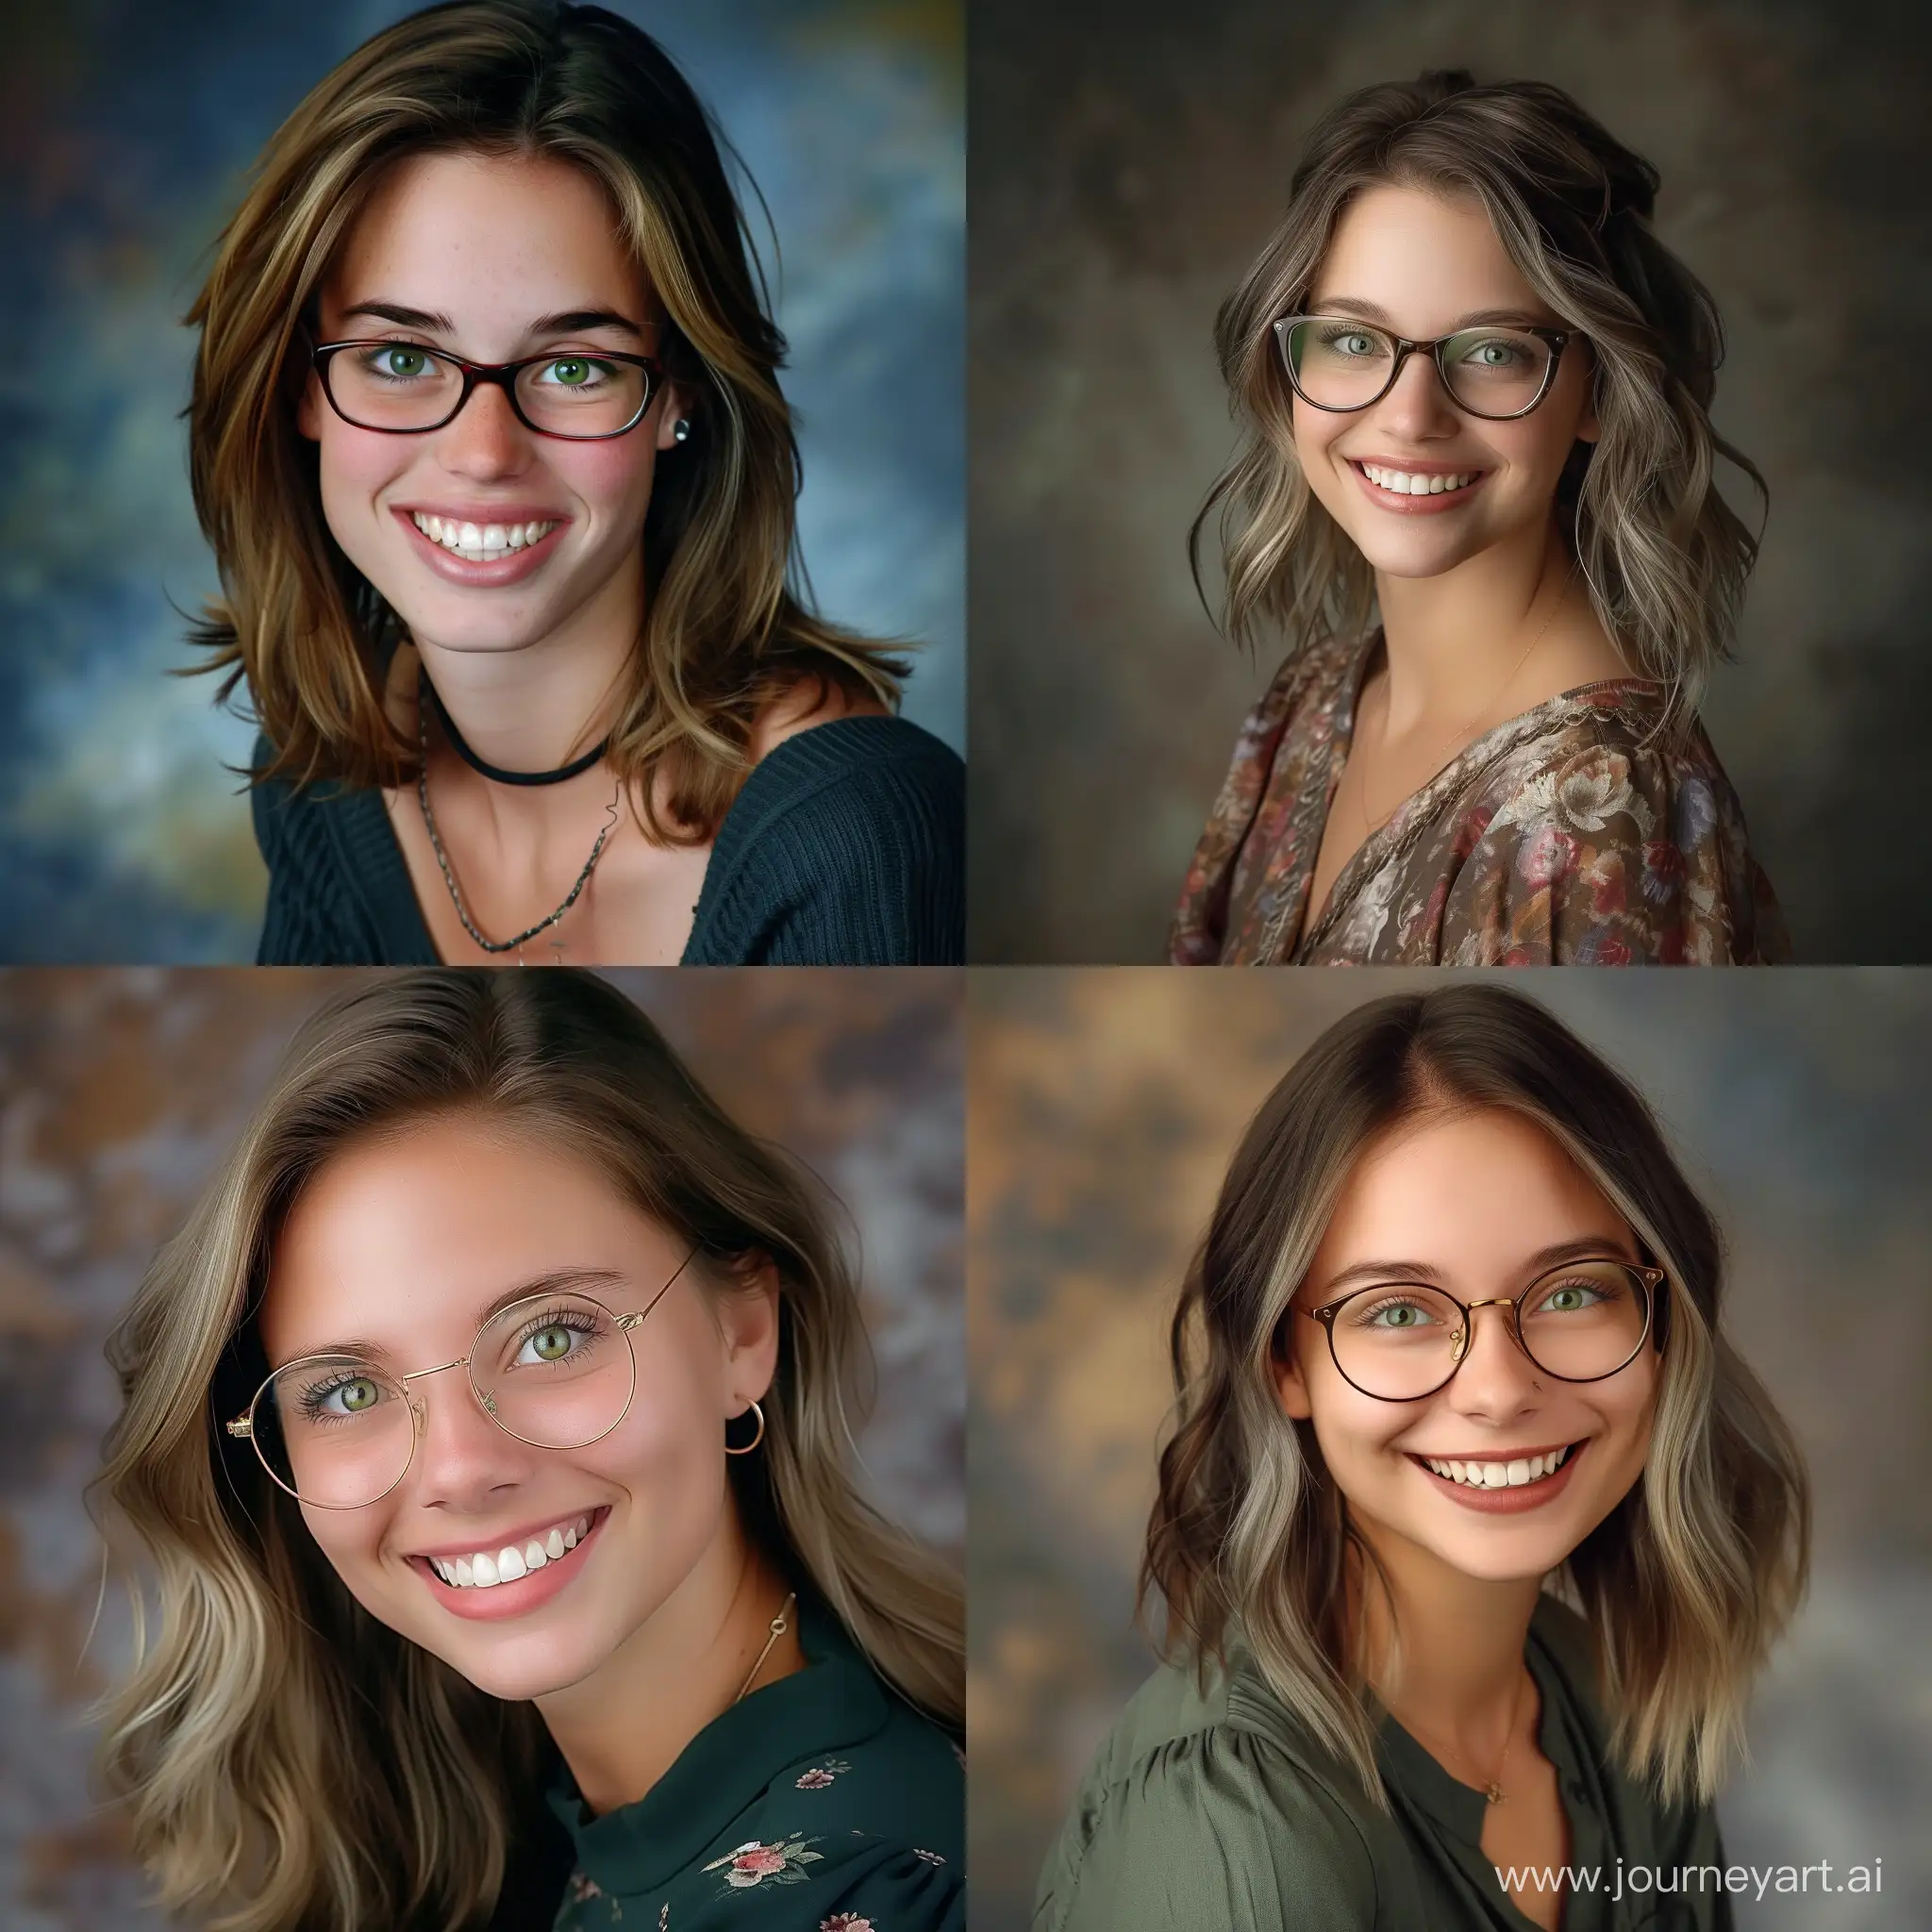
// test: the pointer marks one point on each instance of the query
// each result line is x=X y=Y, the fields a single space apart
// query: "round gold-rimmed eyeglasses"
x=406 y=389
x=1401 y=1341
x=555 y=1370
x=1336 y=364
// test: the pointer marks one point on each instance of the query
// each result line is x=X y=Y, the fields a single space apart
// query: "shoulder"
x=1207 y=1804
x=846 y=846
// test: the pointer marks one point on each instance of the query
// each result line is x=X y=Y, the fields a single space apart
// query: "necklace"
x=1369 y=824
x=1493 y=1790
x=460 y=745
x=449 y=878
x=779 y=1627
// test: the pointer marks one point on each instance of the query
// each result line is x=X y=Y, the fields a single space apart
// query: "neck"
x=622 y=1727
x=539 y=706
x=1452 y=639
x=1462 y=1638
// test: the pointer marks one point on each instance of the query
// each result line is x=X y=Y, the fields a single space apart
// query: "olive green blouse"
x=1215 y=1808
x=821 y=1804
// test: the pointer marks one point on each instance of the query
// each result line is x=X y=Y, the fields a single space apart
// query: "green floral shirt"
x=821 y=1804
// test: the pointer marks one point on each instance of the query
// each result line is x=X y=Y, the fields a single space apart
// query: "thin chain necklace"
x=1369 y=824
x=1493 y=1789
x=779 y=1627
x=449 y=878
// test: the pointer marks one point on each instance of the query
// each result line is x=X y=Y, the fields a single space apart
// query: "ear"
x=748 y=1320
x=1290 y=1386
x=674 y=406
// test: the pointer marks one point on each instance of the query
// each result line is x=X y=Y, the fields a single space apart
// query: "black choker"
x=574 y=769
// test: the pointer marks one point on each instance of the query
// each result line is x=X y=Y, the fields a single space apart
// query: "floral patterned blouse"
x=821 y=1804
x=1561 y=838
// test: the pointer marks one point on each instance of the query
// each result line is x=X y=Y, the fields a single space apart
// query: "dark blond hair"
x=724 y=631
x=286 y=1759
x=1685 y=1584
x=1664 y=557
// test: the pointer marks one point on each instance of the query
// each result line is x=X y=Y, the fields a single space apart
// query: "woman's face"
x=1480 y=1204
x=403 y=1242
x=1423 y=266
x=484 y=250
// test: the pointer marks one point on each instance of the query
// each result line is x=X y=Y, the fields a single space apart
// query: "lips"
x=1432 y=505
x=511 y=567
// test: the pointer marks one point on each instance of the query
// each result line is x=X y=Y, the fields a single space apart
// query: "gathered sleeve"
x=1217 y=1828
x=1610 y=856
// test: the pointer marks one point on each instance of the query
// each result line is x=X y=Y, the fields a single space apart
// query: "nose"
x=460 y=1451
x=1495 y=1376
x=1417 y=406
x=485 y=437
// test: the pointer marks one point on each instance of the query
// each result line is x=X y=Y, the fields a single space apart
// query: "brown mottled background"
x=1104 y=1107
x=1126 y=163
x=119 y=1093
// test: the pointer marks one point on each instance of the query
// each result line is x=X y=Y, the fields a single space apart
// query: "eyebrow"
x=557 y=1281
x=1476 y=318
x=1586 y=1248
x=565 y=321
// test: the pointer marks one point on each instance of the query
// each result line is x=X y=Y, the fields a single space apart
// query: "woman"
x=487 y=439
x=1453 y=1335
x=487 y=1427
x=1478 y=391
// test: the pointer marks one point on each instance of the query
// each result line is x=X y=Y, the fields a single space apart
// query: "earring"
x=681 y=431
x=755 y=1440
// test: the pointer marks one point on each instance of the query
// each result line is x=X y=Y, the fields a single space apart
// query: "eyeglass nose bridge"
x=1465 y=1336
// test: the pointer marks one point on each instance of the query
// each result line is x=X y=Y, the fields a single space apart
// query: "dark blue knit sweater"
x=846 y=847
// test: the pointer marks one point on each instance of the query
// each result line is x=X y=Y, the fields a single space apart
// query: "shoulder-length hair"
x=1664 y=557
x=283 y=1755
x=725 y=630
x=1685 y=1585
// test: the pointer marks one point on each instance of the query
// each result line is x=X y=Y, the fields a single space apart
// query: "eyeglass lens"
x=398 y=385
x=1400 y=1341
x=1339 y=364
x=338 y=1432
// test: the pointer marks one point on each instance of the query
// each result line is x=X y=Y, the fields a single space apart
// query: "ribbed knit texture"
x=846 y=847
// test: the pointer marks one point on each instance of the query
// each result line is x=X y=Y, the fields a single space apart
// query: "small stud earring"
x=681 y=432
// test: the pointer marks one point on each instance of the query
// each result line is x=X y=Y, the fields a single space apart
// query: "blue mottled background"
x=125 y=128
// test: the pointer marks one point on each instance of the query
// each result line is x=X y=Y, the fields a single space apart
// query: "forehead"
x=1425 y=257
x=402 y=1239
x=487 y=241
x=1473 y=1192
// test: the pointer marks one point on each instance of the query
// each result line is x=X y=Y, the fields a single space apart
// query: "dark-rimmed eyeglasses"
x=404 y=389
x=1336 y=364
x=1401 y=1341
x=555 y=1370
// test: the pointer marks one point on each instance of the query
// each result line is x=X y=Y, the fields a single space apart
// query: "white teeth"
x=1405 y=483
x=486 y=1568
x=1500 y=1475
x=479 y=545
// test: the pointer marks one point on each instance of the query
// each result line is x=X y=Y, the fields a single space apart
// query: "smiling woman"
x=1477 y=394
x=490 y=1425
x=488 y=438
x=1472 y=1530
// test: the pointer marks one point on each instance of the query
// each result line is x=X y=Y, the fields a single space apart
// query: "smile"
x=1503 y=1486
x=479 y=544
x=486 y=1569
x=1488 y=1474
x=1417 y=493
x=481 y=556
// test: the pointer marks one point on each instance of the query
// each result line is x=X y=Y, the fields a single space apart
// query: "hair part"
x=727 y=628
x=284 y=1756
x=1663 y=555
x=1685 y=1585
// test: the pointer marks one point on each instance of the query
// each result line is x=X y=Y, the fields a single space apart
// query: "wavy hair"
x=283 y=1755
x=1685 y=1585
x=728 y=627
x=1665 y=559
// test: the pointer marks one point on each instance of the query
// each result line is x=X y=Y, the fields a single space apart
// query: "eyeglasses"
x=336 y=1433
x=1337 y=363
x=407 y=390
x=1401 y=1341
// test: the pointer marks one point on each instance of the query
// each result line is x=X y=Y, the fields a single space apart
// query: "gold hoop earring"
x=756 y=1440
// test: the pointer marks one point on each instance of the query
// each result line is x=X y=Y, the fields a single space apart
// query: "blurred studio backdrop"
x=125 y=130
x=1128 y=163
x=121 y=1091
x=1104 y=1107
